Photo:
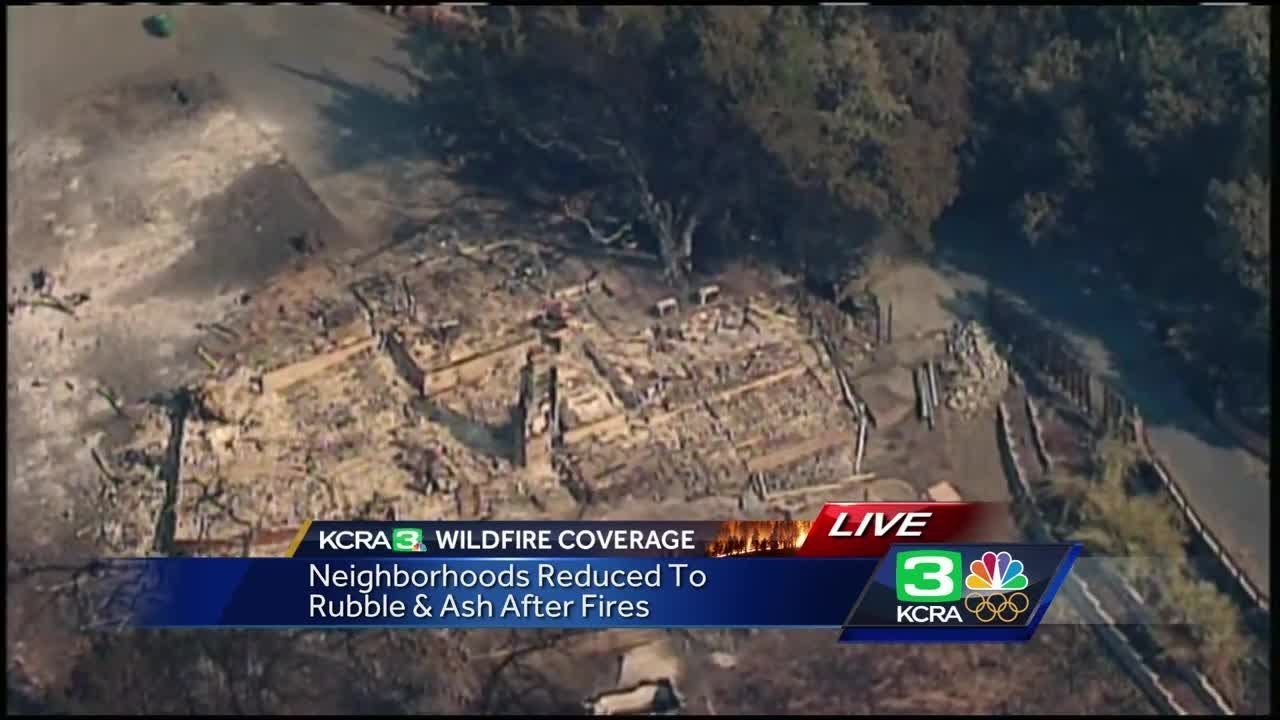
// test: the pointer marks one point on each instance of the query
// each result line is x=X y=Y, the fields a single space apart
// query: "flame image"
x=747 y=537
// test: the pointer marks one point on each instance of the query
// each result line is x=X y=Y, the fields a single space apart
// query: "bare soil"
x=162 y=208
x=806 y=673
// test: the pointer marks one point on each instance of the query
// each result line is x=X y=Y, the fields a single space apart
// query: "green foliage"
x=869 y=114
x=1241 y=209
x=1141 y=135
x=1115 y=459
x=1200 y=624
x=749 y=117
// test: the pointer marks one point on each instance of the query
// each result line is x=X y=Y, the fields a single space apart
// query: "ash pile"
x=976 y=375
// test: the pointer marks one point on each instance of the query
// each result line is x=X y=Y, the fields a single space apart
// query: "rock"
x=214 y=401
x=228 y=400
x=723 y=660
x=223 y=437
x=976 y=373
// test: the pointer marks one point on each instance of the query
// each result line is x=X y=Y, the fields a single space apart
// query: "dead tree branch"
x=580 y=216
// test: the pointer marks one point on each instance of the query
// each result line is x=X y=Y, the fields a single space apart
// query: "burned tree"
x=705 y=130
x=607 y=109
x=579 y=209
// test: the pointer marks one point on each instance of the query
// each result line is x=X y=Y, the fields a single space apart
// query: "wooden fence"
x=1038 y=348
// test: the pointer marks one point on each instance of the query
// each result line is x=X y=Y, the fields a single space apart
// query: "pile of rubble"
x=976 y=373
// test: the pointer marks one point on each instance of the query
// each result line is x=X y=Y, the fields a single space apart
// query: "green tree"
x=715 y=123
x=1241 y=210
x=590 y=95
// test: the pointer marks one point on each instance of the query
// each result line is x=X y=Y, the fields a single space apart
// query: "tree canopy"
x=1137 y=135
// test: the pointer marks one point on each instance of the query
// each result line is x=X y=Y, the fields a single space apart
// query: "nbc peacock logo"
x=996 y=572
x=994 y=588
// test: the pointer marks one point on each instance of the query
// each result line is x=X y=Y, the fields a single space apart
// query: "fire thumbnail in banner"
x=959 y=593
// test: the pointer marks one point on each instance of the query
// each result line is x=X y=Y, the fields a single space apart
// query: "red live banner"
x=867 y=529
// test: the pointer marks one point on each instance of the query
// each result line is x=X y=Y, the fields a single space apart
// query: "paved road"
x=324 y=81
x=1228 y=487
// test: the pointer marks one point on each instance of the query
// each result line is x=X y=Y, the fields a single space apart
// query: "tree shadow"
x=411 y=144
x=437 y=133
x=374 y=125
x=1103 y=322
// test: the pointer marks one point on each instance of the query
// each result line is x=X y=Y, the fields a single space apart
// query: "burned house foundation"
x=558 y=393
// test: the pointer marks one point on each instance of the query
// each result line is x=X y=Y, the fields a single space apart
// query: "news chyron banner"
x=871 y=572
